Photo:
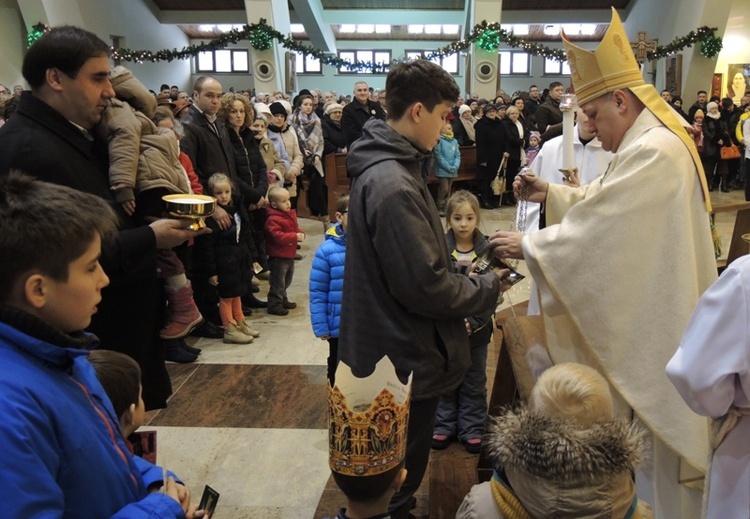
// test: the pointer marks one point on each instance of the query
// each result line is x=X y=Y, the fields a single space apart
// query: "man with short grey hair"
x=358 y=112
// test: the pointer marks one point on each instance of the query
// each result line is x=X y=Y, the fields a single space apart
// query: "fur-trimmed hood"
x=558 y=469
x=558 y=449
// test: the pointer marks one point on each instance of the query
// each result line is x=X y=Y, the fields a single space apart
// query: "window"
x=513 y=63
x=308 y=64
x=556 y=68
x=223 y=60
x=449 y=63
x=368 y=56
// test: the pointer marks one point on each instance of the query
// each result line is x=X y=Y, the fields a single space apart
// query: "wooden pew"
x=334 y=166
x=737 y=247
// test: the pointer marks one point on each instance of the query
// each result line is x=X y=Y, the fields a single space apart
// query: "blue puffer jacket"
x=447 y=157
x=63 y=453
x=327 y=283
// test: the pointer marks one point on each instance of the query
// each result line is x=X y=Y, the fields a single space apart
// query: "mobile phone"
x=488 y=262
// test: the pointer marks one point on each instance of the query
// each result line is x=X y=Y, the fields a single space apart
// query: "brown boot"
x=182 y=314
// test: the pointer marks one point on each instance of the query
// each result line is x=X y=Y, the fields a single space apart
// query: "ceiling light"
x=433 y=29
x=296 y=27
x=416 y=29
x=224 y=27
x=588 y=29
x=451 y=29
x=551 y=30
x=206 y=28
x=382 y=29
x=572 y=29
x=347 y=28
x=365 y=28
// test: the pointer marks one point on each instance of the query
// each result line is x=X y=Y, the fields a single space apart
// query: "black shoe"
x=289 y=305
x=253 y=302
x=208 y=330
x=255 y=289
x=190 y=349
x=175 y=353
x=247 y=311
x=278 y=310
x=441 y=441
x=724 y=189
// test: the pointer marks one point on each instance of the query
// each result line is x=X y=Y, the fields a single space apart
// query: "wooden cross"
x=642 y=47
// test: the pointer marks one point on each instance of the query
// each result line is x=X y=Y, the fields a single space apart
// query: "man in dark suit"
x=358 y=112
x=50 y=138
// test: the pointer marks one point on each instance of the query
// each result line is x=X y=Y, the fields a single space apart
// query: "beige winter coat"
x=295 y=157
x=142 y=156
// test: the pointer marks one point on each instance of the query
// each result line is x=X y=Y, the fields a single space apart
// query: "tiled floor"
x=250 y=420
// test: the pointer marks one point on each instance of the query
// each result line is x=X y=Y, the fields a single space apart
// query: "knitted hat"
x=710 y=105
x=277 y=108
x=488 y=107
x=262 y=109
x=463 y=109
x=501 y=106
x=699 y=113
x=535 y=135
x=333 y=107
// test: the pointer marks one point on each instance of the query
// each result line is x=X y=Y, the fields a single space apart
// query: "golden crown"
x=611 y=66
x=367 y=420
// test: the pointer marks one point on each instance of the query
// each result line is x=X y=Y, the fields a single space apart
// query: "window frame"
x=344 y=71
x=511 y=58
x=301 y=58
x=560 y=68
x=233 y=53
x=440 y=58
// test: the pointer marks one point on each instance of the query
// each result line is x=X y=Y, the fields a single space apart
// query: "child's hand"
x=300 y=237
x=128 y=207
x=468 y=327
x=213 y=281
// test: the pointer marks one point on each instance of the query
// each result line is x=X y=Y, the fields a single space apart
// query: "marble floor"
x=249 y=420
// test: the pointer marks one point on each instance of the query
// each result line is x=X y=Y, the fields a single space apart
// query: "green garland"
x=487 y=36
x=37 y=31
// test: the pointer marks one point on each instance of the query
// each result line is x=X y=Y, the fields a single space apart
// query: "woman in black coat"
x=715 y=135
x=516 y=135
x=490 y=149
x=333 y=135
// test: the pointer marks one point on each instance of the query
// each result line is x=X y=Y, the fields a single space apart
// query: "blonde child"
x=461 y=414
x=224 y=257
x=564 y=456
x=447 y=162
x=282 y=234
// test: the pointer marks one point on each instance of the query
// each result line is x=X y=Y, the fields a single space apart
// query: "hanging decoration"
x=36 y=32
x=489 y=41
x=711 y=46
x=486 y=35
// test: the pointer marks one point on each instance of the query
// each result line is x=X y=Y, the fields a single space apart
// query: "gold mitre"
x=611 y=66
x=367 y=420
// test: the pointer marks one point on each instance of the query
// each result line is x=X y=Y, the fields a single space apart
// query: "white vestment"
x=591 y=161
x=711 y=370
x=620 y=267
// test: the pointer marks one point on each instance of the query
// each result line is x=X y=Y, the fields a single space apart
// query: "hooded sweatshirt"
x=401 y=297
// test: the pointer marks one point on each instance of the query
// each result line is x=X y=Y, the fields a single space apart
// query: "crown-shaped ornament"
x=367 y=420
x=611 y=66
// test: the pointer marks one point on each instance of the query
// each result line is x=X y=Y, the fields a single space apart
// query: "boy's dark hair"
x=342 y=203
x=120 y=377
x=701 y=92
x=164 y=86
x=65 y=48
x=726 y=102
x=45 y=227
x=555 y=84
x=365 y=489
x=418 y=81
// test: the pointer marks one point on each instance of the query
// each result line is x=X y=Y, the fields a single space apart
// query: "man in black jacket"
x=358 y=112
x=548 y=115
x=50 y=138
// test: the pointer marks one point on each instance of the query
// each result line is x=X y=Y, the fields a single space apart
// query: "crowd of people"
x=89 y=247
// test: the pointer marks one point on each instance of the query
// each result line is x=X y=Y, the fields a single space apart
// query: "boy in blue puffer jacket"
x=327 y=284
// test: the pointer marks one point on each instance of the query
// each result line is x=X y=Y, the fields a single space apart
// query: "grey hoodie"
x=401 y=297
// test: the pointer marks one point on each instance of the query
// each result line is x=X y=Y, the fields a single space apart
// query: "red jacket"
x=280 y=233
x=195 y=184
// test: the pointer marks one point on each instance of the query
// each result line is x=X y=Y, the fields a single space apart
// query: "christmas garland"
x=487 y=36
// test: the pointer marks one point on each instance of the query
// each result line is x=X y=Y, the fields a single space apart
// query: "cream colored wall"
x=12 y=44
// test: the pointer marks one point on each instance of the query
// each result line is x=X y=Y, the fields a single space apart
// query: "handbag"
x=730 y=152
x=498 y=183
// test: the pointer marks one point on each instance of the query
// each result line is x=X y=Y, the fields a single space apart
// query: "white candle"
x=568 y=129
